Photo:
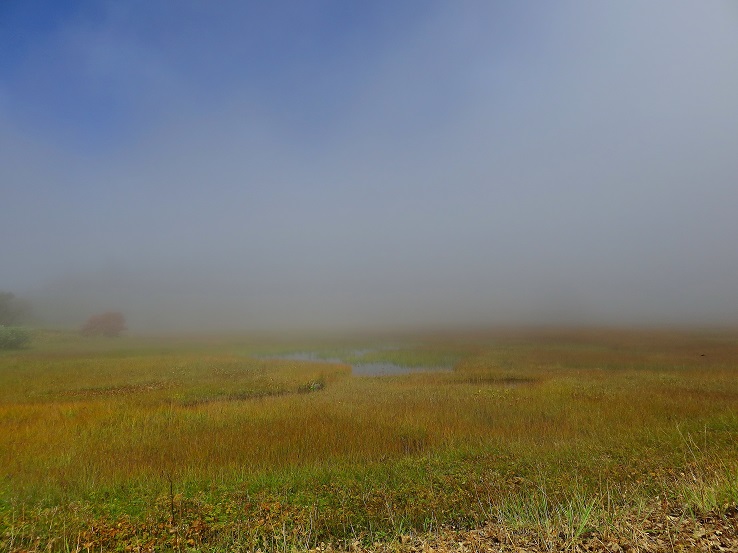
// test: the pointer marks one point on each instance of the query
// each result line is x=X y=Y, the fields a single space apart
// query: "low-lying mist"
x=459 y=164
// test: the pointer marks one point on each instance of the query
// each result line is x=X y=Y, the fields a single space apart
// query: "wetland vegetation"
x=551 y=438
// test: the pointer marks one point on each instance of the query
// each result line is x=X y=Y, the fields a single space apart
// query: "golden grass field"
x=549 y=438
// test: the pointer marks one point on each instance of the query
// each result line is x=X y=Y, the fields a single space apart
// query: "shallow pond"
x=358 y=368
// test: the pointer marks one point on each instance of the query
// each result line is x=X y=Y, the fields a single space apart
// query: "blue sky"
x=293 y=164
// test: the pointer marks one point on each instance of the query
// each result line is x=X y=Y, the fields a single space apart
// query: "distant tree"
x=109 y=324
x=14 y=337
x=13 y=310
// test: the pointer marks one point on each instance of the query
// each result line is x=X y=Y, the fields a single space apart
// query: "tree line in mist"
x=16 y=315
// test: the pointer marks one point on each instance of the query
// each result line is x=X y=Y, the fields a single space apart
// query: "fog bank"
x=330 y=166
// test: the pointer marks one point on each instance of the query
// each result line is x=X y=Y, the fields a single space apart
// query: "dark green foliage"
x=13 y=337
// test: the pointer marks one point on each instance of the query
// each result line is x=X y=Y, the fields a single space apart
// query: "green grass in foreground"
x=169 y=444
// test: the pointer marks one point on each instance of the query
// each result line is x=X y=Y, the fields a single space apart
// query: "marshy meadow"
x=538 y=439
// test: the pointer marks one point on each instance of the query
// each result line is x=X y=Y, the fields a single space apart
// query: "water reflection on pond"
x=359 y=368
x=386 y=369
